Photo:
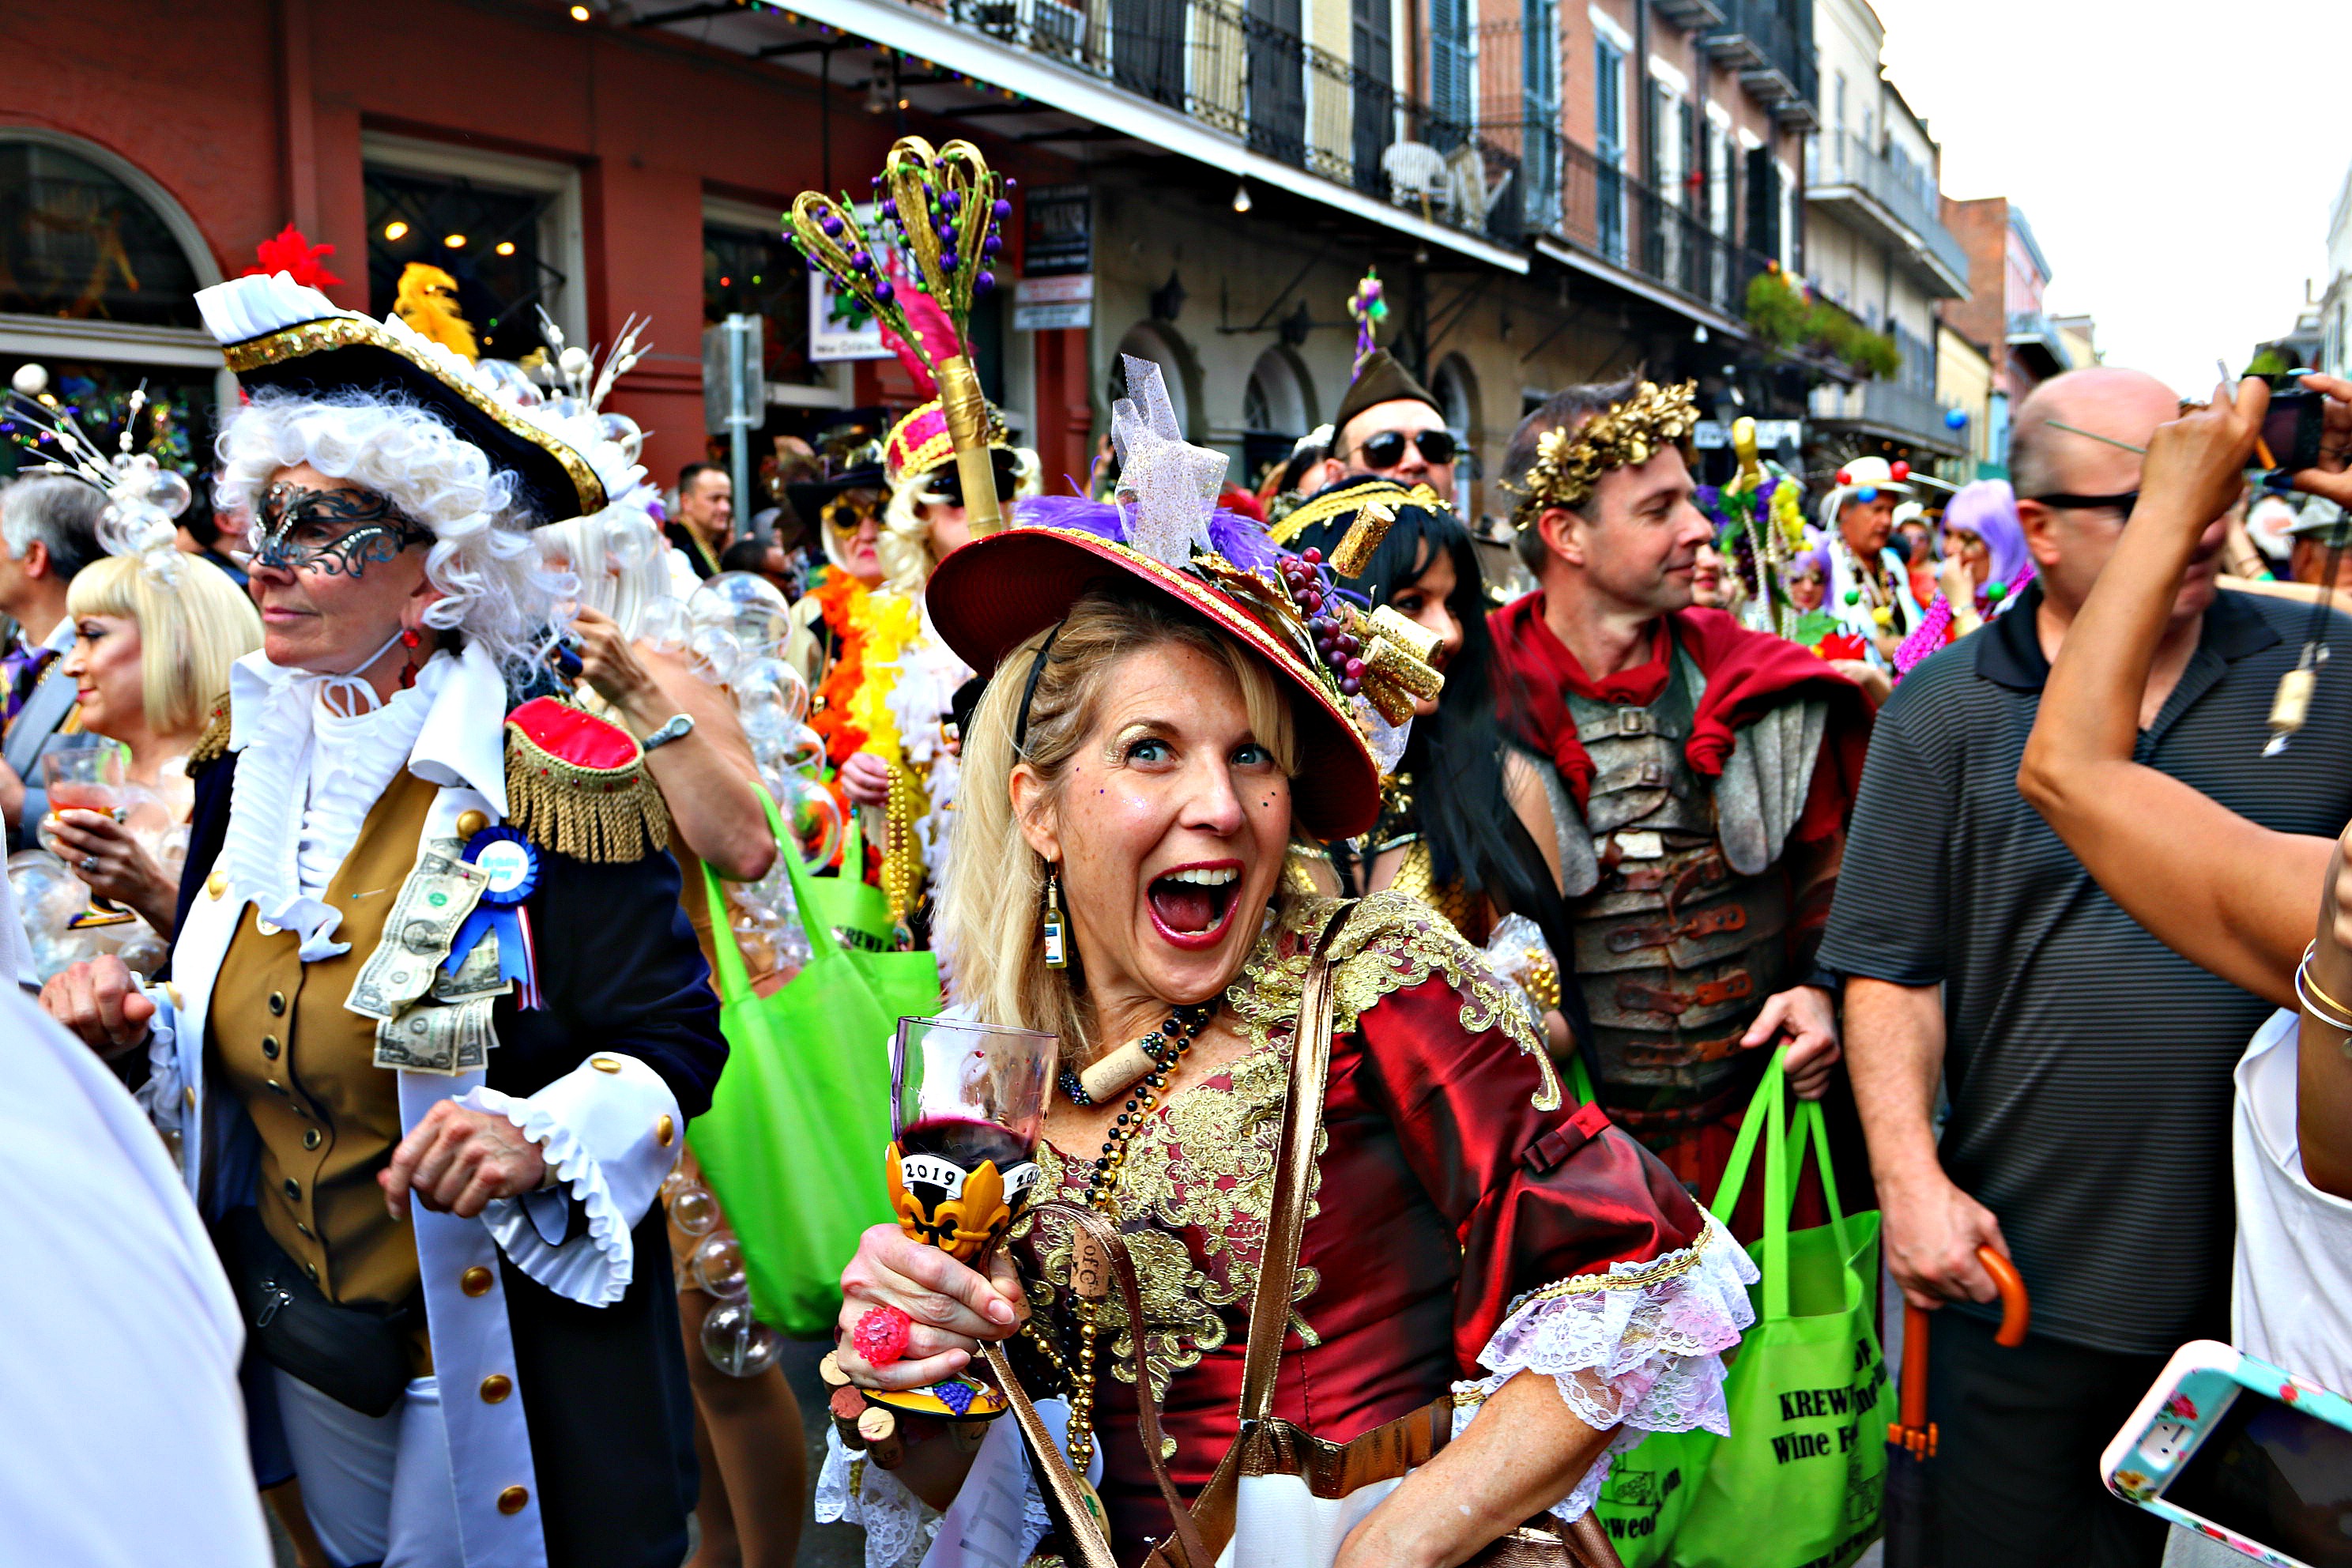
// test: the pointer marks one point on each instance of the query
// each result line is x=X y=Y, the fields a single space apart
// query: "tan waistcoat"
x=303 y=1066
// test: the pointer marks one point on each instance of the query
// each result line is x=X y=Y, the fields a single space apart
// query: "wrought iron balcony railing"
x=1833 y=159
x=1230 y=67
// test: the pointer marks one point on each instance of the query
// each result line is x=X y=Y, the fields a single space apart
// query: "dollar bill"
x=433 y=903
x=438 y=1038
x=475 y=975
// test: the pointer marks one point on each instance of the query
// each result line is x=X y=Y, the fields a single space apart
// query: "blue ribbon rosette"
x=512 y=864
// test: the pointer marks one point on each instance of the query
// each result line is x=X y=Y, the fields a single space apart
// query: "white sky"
x=2177 y=162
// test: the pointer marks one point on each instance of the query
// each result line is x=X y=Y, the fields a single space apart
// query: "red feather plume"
x=289 y=253
x=940 y=340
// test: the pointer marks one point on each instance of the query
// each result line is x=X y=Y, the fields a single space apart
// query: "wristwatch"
x=677 y=727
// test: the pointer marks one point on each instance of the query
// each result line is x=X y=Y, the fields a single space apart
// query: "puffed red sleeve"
x=1582 y=1258
x=1537 y=1195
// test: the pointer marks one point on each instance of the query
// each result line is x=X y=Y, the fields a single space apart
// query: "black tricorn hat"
x=274 y=332
x=1379 y=379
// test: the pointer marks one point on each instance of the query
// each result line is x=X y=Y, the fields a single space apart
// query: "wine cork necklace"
x=1155 y=1057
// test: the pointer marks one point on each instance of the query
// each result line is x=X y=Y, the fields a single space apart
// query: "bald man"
x=2087 y=1066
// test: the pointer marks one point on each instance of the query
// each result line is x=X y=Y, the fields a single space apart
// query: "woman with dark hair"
x=1439 y=836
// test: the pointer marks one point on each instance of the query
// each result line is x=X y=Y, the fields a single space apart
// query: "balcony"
x=1892 y=410
x=1602 y=220
x=1773 y=54
x=1690 y=16
x=2033 y=338
x=1213 y=80
x=1899 y=208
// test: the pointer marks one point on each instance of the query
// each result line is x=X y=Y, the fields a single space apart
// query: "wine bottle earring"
x=1057 y=952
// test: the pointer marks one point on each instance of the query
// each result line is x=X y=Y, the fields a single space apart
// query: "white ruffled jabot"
x=305 y=782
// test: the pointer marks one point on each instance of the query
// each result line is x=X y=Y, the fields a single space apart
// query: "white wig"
x=905 y=546
x=604 y=583
x=495 y=591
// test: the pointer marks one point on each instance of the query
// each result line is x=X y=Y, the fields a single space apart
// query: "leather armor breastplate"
x=1675 y=951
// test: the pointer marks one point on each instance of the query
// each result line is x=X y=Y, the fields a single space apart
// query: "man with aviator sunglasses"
x=1389 y=425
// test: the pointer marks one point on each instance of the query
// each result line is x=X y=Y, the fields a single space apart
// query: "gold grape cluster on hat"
x=1569 y=463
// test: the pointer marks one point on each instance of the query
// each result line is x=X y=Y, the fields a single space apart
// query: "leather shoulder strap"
x=1302 y=1123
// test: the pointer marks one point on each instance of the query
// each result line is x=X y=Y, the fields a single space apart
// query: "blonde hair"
x=994 y=885
x=191 y=630
x=905 y=546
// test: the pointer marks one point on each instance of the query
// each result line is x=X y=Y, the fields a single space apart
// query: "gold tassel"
x=213 y=744
x=604 y=816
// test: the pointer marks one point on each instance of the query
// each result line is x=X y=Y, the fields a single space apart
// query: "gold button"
x=496 y=1386
x=216 y=884
x=276 y=1087
x=293 y=1191
x=514 y=1499
x=603 y=1064
x=475 y=1281
x=311 y=1270
x=309 y=1138
x=665 y=1130
x=264 y=927
x=301 y=1229
x=270 y=1047
x=189 y=1095
x=470 y=823
x=277 y=1004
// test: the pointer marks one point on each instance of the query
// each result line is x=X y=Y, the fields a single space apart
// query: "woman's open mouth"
x=1192 y=906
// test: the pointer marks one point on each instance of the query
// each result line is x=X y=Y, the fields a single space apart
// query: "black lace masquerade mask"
x=332 y=532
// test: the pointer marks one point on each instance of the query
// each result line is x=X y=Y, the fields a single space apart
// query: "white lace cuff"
x=1639 y=1348
x=610 y=1130
x=851 y=1491
x=163 y=1096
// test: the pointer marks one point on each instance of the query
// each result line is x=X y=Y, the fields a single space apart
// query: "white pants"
x=376 y=1487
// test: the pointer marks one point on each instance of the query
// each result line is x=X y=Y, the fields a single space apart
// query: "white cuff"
x=852 y=1490
x=1643 y=1355
x=163 y=1096
x=610 y=1130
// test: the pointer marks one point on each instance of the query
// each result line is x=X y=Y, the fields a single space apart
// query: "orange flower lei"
x=840 y=595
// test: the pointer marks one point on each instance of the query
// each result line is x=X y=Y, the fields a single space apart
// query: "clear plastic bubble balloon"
x=750 y=606
x=623 y=432
x=512 y=381
x=737 y=1342
x=763 y=714
x=629 y=542
x=662 y=626
x=718 y=1267
x=715 y=653
x=803 y=750
x=693 y=1210
x=767 y=674
x=168 y=492
x=143 y=952
x=813 y=817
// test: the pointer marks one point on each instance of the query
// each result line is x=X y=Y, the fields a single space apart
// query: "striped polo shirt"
x=2088 y=1067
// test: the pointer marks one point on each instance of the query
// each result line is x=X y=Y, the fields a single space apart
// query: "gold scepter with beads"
x=942 y=206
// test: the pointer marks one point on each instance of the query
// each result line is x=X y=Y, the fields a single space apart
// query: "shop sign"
x=1051 y=304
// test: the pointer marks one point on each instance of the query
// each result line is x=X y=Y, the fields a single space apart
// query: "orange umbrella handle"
x=2016 y=1311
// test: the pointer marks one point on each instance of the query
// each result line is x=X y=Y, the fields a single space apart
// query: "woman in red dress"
x=1159 y=721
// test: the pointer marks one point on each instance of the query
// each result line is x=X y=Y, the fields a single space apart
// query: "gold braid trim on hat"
x=1569 y=463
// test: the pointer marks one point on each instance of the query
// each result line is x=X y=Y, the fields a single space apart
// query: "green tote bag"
x=794 y=1141
x=1800 y=1479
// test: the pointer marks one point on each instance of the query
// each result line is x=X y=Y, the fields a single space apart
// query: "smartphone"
x=2292 y=429
x=2236 y=1449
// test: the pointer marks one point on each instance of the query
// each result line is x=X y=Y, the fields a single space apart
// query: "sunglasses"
x=1387 y=449
x=843 y=516
x=2123 y=501
x=947 y=485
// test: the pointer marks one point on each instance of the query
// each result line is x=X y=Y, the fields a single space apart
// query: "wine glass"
x=967 y=1102
x=81 y=772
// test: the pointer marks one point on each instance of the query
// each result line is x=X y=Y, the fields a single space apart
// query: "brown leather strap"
x=1270 y=1319
x=1081 y=1510
x=1190 y=1550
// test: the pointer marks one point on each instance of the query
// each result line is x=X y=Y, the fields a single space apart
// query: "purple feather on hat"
x=1240 y=538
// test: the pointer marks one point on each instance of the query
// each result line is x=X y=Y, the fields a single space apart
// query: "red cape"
x=1748 y=675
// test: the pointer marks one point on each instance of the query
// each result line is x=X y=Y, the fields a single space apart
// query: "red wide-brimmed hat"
x=990 y=596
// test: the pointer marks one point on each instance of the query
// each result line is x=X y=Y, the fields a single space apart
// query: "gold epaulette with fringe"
x=213 y=744
x=578 y=785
